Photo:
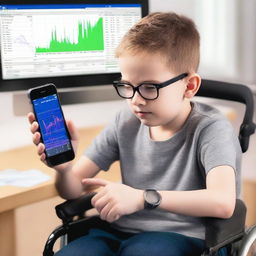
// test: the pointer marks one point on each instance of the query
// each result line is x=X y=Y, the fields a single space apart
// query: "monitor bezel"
x=71 y=80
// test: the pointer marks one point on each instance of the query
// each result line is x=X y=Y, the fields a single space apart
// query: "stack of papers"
x=18 y=178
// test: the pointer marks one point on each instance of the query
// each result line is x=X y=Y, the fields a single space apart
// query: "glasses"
x=148 y=91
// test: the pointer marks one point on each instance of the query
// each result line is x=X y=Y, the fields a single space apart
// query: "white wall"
x=228 y=31
x=186 y=7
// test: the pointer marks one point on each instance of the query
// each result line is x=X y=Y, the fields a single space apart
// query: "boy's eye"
x=126 y=87
x=148 y=87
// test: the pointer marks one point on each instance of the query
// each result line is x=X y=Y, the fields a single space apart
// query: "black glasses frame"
x=157 y=86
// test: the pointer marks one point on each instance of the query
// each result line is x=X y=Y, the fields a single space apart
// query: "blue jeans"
x=103 y=243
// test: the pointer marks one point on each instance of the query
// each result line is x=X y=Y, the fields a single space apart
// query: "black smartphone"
x=52 y=125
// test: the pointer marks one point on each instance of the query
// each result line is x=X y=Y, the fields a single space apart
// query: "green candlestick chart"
x=89 y=38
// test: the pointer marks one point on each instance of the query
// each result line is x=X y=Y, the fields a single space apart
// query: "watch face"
x=152 y=197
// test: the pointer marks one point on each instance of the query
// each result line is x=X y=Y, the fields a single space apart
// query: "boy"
x=180 y=160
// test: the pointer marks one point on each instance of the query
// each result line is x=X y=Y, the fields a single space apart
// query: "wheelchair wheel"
x=248 y=246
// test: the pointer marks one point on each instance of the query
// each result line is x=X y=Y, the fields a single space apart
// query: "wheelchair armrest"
x=220 y=232
x=75 y=207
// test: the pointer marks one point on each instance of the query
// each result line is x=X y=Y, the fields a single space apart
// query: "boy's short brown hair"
x=174 y=36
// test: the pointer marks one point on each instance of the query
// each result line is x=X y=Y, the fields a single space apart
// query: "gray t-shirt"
x=206 y=140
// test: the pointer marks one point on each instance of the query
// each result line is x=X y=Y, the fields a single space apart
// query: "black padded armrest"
x=220 y=232
x=71 y=208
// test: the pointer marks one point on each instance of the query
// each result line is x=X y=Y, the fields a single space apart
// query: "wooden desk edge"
x=35 y=194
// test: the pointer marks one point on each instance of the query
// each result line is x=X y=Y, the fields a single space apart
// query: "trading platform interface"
x=62 y=40
x=52 y=126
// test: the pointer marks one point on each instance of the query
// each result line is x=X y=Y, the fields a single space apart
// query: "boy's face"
x=171 y=106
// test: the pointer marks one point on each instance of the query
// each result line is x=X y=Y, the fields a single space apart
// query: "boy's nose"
x=137 y=99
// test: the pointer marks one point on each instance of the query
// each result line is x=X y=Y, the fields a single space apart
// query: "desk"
x=13 y=197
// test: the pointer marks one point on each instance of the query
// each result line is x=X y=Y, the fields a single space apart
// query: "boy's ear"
x=193 y=85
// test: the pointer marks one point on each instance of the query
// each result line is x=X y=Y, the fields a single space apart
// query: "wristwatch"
x=152 y=199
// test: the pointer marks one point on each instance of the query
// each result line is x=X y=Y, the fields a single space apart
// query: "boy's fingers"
x=95 y=182
x=36 y=138
x=31 y=117
x=40 y=148
x=42 y=158
x=34 y=127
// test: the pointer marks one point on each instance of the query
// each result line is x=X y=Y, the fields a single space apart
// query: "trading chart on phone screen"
x=52 y=126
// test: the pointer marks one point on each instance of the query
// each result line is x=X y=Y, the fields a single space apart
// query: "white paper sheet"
x=11 y=177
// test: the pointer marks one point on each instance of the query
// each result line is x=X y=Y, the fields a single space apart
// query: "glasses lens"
x=125 y=90
x=148 y=91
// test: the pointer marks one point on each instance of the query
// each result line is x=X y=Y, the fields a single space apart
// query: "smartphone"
x=52 y=125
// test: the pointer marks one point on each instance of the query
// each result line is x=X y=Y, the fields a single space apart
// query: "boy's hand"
x=41 y=147
x=114 y=199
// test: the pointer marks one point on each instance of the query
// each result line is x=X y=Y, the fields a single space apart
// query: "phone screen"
x=52 y=125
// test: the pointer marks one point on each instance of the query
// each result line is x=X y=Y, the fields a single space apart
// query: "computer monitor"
x=66 y=42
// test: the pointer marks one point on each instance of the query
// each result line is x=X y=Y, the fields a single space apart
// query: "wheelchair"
x=230 y=233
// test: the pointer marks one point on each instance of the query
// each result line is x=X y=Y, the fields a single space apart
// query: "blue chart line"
x=53 y=129
x=54 y=125
x=21 y=41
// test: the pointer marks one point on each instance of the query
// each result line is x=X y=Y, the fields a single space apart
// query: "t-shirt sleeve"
x=219 y=145
x=104 y=149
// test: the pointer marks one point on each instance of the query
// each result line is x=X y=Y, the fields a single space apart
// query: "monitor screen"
x=69 y=43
